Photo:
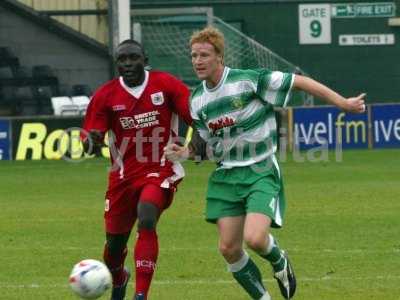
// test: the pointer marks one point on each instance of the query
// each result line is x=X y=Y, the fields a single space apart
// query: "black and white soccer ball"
x=90 y=278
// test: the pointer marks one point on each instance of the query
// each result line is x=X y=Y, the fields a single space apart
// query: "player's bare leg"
x=258 y=238
x=240 y=264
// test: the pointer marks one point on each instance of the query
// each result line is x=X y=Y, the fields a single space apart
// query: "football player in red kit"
x=139 y=111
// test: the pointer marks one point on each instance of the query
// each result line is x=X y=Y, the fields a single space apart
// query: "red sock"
x=115 y=264
x=146 y=253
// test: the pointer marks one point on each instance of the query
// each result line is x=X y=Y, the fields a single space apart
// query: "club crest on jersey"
x=157 y=98
x=237 y=103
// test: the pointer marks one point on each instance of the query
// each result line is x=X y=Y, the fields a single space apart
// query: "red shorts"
x=123 y=196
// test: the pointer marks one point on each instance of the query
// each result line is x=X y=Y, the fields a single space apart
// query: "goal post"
x=165 y=34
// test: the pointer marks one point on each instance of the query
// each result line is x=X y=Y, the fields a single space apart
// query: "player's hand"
x=174 y=152
x=94 y=142
x=97 y=138
x=355 y=104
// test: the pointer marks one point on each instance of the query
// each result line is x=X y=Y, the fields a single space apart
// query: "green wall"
x=348 y=69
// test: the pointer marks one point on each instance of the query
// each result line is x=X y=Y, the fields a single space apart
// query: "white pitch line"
x=36 y=165
x=211 y=249
x=304 y=279
x=207 y=282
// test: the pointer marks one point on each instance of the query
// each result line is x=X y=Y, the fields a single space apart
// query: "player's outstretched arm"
x=317 y=89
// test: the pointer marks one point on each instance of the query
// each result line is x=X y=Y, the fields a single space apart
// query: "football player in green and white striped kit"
x=233 y=111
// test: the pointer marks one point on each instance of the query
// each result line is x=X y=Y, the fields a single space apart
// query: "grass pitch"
x=342 y=230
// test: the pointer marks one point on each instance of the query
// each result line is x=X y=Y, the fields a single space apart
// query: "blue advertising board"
x=5 y=140
x=385 y=121
x=329 y=127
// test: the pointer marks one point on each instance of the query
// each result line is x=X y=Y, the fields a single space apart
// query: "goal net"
x=165 y=35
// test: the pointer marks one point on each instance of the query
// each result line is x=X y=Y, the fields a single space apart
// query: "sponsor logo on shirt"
x=157 y=98
x=127 y=122
x=119 y=107
x=221 y=123
x=147 y=119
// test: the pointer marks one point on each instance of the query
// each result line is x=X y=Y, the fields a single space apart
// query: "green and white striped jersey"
x=236 y=118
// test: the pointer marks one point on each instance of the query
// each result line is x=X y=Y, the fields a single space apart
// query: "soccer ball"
x=90 y=278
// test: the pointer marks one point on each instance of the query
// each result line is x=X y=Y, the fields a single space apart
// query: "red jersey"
x=140 y=121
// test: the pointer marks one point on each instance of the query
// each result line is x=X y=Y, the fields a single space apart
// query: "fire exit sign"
x=363 y=10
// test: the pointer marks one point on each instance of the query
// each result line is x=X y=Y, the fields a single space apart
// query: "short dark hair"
x=131 y=41
x=134 y=42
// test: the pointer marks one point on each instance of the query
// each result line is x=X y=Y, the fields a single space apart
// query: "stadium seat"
x=45 y=106
x=65 y=90
x=42 y=71
x=82 y=102
x=8 y=59
x=5 y=109
x=7 y=101
x=7 y=92
x=23 y=72
x=24 y=92
x=63 y=106
x=26 y=102
x=81 y=90
x=6 y=72
x=43 y=94
x=26 y=108
x=43 y=76
x=6 y=52
x=23 y=76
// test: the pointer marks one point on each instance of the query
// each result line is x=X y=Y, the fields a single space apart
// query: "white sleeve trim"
x=289 y=93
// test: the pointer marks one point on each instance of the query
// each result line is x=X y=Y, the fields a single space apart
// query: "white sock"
x=271 y=243
x=266 y=296
x=269 y=246
x=237 y=266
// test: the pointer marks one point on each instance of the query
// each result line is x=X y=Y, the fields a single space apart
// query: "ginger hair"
x=209 y=35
